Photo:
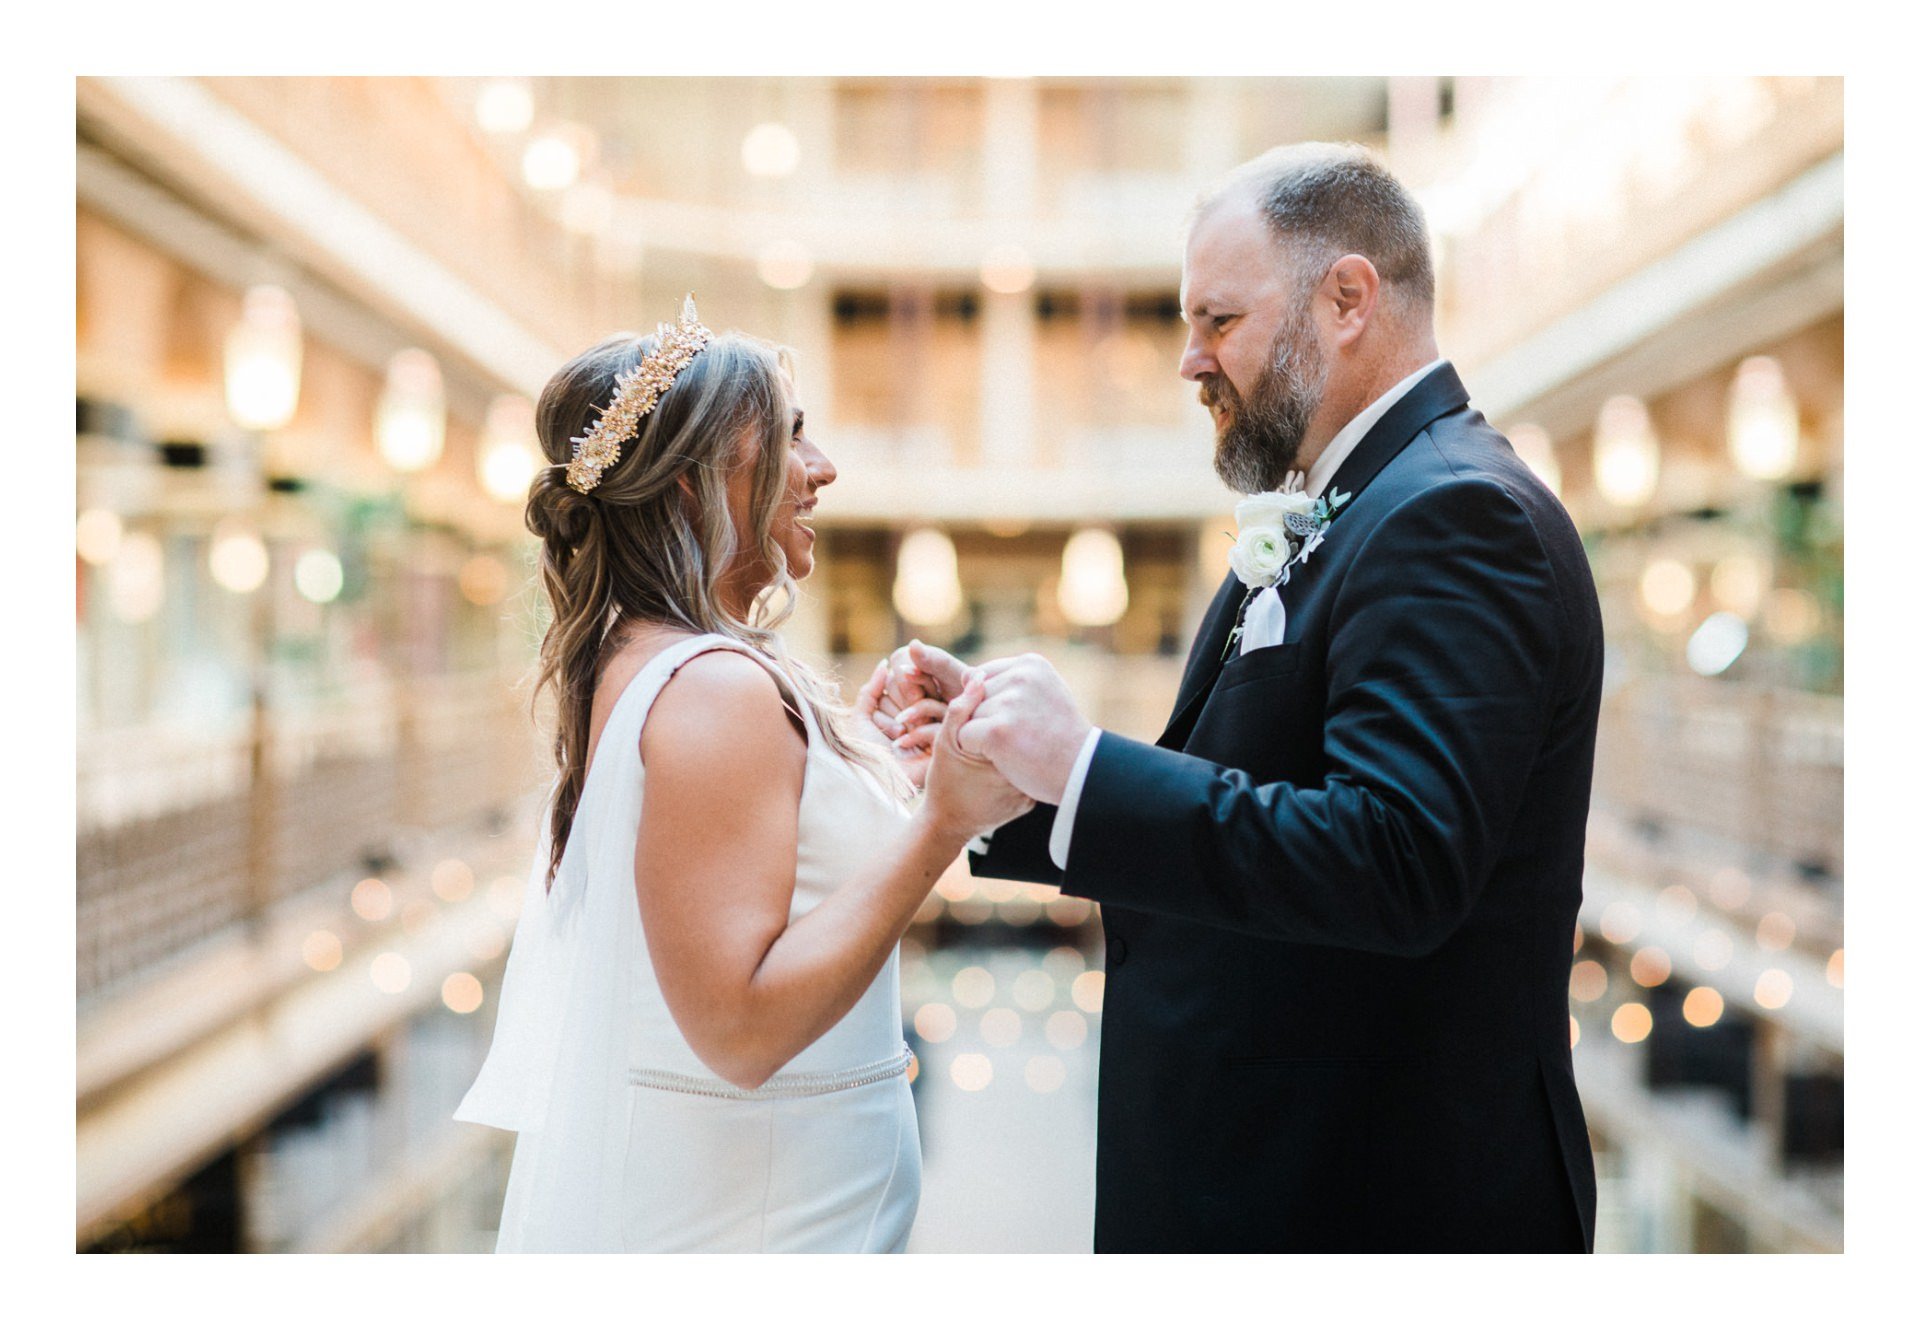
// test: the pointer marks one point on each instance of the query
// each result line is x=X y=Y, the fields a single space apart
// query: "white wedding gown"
x=627 y=1142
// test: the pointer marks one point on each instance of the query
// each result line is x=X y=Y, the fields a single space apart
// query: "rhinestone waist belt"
x=793 y=1086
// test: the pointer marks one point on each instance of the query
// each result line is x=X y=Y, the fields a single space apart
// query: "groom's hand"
x=1028 y=726
x=935 y=673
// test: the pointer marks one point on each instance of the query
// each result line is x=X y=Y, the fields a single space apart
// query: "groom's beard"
x=1259 y=440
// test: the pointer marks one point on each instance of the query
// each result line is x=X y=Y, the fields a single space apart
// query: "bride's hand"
x=898 y=704
x=966 y=793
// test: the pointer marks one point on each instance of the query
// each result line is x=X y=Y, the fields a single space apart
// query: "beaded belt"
x=791 y=1086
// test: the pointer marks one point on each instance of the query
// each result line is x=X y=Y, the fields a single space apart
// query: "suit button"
x=1116 y=952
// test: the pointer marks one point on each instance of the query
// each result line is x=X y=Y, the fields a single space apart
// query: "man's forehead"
x=1230 y=252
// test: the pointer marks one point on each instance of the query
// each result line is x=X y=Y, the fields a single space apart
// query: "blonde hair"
x=654 y=541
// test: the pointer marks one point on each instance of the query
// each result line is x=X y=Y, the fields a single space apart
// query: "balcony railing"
x=181 y=841
x=1758 y=770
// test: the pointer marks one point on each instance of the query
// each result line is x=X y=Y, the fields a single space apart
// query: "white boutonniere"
x=1278 y=531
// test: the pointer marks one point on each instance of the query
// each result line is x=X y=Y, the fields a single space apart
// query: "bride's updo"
x=653 y=540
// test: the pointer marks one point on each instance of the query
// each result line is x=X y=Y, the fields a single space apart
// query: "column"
x=1011 y=153
x=1006 y=381
x=1011 y=171
x=807 y=326
x=1413 y=126
x=1213 y=129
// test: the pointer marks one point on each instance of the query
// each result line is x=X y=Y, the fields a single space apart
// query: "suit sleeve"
x=1018 y=850
x=1440 y=673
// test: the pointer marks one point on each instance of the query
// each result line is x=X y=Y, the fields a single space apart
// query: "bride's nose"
x=821 y=471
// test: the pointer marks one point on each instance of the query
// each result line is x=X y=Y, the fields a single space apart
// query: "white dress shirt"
x=1319 y=475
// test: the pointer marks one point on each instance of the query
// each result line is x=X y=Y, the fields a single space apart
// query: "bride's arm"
x=715 y=862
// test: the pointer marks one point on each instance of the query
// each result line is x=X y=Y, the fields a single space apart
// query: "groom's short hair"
x=1323 y=200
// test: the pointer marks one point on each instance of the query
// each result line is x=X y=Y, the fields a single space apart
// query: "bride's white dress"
x=627 y=1141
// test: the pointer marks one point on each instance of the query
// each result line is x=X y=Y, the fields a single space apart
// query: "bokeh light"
x=972 y=1071
x=391 y=972
x=1626 y=454
x=1676 y=903
x=317 y=575
x=770 y=151
x=1703 y=1007
x=97 y=535
x=1632 y=1022
x=973 y=987
x=505 y=106
x=1712 y=950
x=1063 y=963
x=785 y=265
x=462 y=993
x=1034 y=990
x=935 y=1022
x=484 y=580
x=1730 y=888
x=237 y=557
x=452 y=880
x=372 y=899
x=322 y=950
x=1774 y=932
x=1773 y=989
x=1620 y=923
x=1007 y=269
x=1650 y=967
x=1588 y=982
x=1667 y=587
x=550 y=163
x=1000 y=1027
x=1717 y=643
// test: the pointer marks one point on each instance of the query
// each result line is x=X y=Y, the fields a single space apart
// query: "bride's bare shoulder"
x=720 y=707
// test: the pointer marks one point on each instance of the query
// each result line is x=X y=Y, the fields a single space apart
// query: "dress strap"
x=789 y=695
x=644 y=688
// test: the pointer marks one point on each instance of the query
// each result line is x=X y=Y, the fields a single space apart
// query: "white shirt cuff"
x=1062 y=836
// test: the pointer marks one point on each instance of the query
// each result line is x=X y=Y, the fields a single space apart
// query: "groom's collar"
x=1438 y=393
x=1343 y=443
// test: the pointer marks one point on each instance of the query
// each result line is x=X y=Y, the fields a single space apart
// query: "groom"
x=1339 y=891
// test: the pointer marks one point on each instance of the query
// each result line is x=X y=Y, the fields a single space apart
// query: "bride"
x=699 y=1037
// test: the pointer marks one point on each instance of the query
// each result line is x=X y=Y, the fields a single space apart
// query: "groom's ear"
x=1352 y=289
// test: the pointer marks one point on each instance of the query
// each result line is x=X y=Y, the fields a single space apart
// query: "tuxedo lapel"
x=1203 y=662
x=1439 y=394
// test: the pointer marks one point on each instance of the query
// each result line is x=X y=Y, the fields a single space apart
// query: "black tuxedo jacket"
x=1339 y=893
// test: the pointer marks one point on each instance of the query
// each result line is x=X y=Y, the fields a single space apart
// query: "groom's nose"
x=1196 y=361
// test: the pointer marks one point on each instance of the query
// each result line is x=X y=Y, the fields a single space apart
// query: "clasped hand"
x=1026 y=723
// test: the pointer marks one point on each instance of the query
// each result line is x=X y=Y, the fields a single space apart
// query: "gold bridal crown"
x=635 y=393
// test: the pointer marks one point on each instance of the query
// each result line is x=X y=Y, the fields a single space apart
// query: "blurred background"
x=312 y=313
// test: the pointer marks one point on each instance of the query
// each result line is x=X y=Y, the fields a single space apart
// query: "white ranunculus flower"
x=1271 y=508
x=1259 y=555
